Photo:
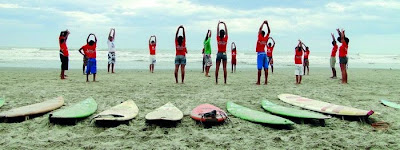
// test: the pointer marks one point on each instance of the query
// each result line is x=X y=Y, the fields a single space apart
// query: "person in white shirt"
x=111 y=50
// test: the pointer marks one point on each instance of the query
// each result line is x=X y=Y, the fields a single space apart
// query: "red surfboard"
x=208 y=113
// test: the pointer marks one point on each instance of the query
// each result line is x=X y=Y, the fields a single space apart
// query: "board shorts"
x=306 y=62
x=91 y=67
x=333 y=62
x=270 y=61
x=180 y=60
x=85 y=61
x=298 y=71
x=343 y=60
x=262 y=61
x=111 y=57
x=221 y=56
x=208 y=61
x=152 y=59
x=64 y=62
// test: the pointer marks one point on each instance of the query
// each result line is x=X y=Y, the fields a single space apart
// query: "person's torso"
x=298 y=56
x=180 y=49
x=222 y=44
x=207 y=47
x=343 y=50
x=234 y=54
x=269 y=51
x=152 y=48
x=111 y=46
x=306 y=53
x=334 y=50
x=63 y=47
x=261 y=42
x=90 y=50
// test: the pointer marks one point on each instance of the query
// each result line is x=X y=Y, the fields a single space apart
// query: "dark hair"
x=269 y=44
x=91 y=42
x=262 y=33
x=306 y=48
x=62 y=40
x=346 y=40
x=333 y=42
x=152 y=41
x=180 y=40
x=221 y=33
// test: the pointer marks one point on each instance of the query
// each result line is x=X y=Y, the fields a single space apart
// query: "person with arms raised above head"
x=270 y=49
x=262 y=59
x=222 y=40
x=207 y=52
x=234 y=53
x=111 y=50
x=333 y=56
x=63 y=52
x=152 y=48
x=306 y=62
x=180 y=58
x=343 y=60
x=89 y=52
x=298 y=62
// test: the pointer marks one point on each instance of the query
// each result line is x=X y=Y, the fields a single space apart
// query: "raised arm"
x=208 y=33
x=262 y=25
x=273 y=45
x=226 y=29
x=87 y=40
x=95 y=38
x=233 y=45
x=155 y=39
x=269 y=30
x=219 y=22
x=184 y=35
x=333 y=37
x=113 y=37
x=150 y=40
x=343 y=35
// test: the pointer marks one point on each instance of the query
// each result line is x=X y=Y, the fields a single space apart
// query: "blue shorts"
x=262 y=61
x=91 y=67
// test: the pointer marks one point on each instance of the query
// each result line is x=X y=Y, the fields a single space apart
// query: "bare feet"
x=258 y=83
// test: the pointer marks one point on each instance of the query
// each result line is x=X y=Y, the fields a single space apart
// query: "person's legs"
x=266 y=76
x=225 y=72
x=272 y=64
x=112 y=68
x=83 y=69
x=108 y=68
x=232 y=67
x=94 y=77
x=235 y=68
x=258 y=76
x=62 y=75
x=260 y=63
x=217 y=70
x=176 y=72
x=300 y=76
x=297 y=79
x=87 y=77
x=183 y=72
x=204 y=63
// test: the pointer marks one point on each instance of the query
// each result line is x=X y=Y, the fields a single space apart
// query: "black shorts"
x=343 y=60
x=221 y=56
x=64 y=62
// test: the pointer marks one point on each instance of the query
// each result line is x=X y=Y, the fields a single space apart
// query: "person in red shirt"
x=262 y=59
x=222 y=40
x=270 y=49
x=233 y=51
x=333 y=56
x=89 y=52
x=181 y=51
x=306 y=62
x=298 y=62
x=63 y=52
x=152 y=48
x=343 y=54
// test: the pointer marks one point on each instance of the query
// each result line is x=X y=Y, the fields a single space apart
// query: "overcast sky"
x=372 y=26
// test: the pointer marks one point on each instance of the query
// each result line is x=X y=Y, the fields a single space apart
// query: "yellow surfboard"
x=323 y=107
x=122 y=112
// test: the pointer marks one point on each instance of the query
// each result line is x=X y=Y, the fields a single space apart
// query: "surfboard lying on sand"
x=255 y=116
x=82 y=109
x=122 y=112
x=291 y=112
x=323 y=107
x=38 y=108
x=167 y=112
x=1 y=101
x=208 y=113
x=390 y=104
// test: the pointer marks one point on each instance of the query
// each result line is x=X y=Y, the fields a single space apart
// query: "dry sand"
x=366 y=87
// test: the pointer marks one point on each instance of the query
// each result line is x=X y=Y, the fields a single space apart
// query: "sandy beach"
x=149 y=91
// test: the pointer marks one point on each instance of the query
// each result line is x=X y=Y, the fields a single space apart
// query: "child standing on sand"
x=111 y=50
x=233 y=51
x=343 y=55
x=89 y=52
x=262 y=59
x=298 y=62
x=152 y=48
x=306 y=62
x=63 y=52
x=333 y=56
x=222 y=40
x=270 y=49
x=207 y=52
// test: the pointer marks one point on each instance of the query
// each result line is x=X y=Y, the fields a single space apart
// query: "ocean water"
x=139 y=59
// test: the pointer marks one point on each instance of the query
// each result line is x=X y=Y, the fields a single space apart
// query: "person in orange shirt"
x=306 y=62
x=89 y=52
x=262 y=59
x=343 y=60
x=333 y=56
x=298 y=62
x=152 y=48
x=222 y=40
x=234 y=53
x=63 y=52
x=270 y=49
x=181 y=51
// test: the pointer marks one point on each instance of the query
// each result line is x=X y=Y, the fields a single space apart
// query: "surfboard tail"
x=370 y=113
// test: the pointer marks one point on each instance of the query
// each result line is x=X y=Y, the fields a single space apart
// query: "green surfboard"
x=291 y=112
x=1 y=101
x=390 y=104
x=255 y=116
x=82 y=109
